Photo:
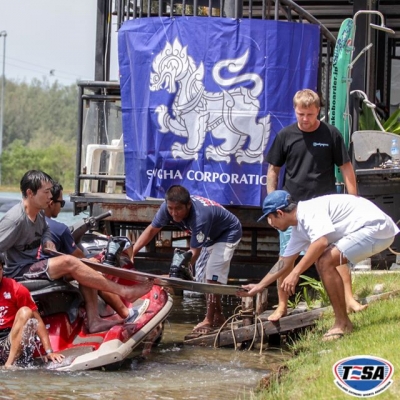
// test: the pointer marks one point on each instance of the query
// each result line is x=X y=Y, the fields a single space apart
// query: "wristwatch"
x=49 y=351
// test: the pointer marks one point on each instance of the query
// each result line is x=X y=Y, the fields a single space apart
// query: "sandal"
x=200 y=330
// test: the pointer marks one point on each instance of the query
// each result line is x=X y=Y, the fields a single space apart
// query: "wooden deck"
x=240 y=334
x=296 y=319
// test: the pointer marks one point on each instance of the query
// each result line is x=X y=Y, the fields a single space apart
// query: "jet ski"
x=62 y=308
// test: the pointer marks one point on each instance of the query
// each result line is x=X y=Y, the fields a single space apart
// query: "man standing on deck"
x=309 y=149
x=215 y=233
x=23 y=229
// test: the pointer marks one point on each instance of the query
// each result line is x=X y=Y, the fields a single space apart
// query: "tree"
x=40 y=130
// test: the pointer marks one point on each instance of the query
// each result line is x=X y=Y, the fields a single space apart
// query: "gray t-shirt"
x=20 y=238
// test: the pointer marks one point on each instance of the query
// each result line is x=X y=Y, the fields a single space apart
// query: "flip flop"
x=200 y=330
x=332 y=336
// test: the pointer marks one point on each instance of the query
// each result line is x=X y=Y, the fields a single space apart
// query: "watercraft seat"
x=54 y=297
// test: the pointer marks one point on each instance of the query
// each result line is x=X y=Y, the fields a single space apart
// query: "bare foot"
x=101 y=325
x=277 y=314
x=136 y=291
x=356 y=307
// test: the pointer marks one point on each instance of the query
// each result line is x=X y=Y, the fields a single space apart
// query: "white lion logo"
x=229 y=115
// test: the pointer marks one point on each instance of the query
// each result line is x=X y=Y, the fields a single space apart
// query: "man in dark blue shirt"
x=215 y=233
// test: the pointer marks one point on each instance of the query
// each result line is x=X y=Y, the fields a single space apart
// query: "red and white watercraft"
x=62 y=308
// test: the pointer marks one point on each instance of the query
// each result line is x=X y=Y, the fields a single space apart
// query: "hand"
x=250 y=290
x=55 y=357
x=290 y=282
x=49 y=246
x=243 y=292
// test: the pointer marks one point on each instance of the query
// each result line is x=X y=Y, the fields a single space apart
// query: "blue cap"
x=275 y=201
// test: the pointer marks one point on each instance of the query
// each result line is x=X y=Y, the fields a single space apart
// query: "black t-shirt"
x=309 y=158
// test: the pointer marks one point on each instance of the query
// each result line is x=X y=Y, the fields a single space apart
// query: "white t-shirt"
x=336 y=216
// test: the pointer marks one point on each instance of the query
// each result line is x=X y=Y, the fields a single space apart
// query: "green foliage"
x=40 y=129
x=318 y=287
x=56 y=159
x=393 y=122
x=307 y=298
x=294 y=303
x=368 y=122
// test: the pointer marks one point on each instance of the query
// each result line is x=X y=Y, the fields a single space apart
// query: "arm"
x=9 y=233
x=44 y=338
x=48 y=245
x=195 y=256
x=272 y=178
x=313 y=253
x=78 y=253
x=276 y=271
x=349 y=178
x=144 y=239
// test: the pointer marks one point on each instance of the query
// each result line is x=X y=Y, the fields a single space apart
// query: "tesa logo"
x=363 y=376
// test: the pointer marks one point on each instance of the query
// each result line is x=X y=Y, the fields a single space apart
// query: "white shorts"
x=360 y=245
x=214 y=262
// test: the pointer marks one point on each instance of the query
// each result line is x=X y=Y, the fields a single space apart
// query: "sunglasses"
x=62 y=202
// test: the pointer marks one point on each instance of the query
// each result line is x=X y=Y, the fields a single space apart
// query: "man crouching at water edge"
x=334 y=230
x=19 y=323
x=23 y=229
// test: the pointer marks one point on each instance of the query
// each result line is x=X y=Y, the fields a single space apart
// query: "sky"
x=50 y=39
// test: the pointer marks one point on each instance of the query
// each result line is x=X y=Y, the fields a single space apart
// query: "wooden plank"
x=285 y=324
x=160 y=280
x=245 y=333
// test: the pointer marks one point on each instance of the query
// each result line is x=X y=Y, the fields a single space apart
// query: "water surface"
x=171 y=371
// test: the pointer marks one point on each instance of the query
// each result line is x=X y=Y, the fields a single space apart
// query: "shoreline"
x=375 y=334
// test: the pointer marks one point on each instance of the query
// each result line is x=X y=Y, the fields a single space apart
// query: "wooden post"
x=247 y=310
x=262 y=301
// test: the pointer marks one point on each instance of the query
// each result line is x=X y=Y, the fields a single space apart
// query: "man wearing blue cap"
x=333 y=230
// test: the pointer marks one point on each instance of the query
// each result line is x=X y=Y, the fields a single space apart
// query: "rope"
x=233 y=318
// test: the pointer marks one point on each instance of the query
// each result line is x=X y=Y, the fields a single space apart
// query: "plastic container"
x=395 y=153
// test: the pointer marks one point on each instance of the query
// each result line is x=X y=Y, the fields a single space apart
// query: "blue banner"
x=203 y=99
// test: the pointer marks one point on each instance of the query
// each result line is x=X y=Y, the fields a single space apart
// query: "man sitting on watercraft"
x=20 y=321
x=64 y=242
x=215 y=233
x=23 y=229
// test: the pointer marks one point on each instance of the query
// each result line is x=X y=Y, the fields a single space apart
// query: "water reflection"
x=171 y=371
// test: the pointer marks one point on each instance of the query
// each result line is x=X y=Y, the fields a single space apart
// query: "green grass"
x=308 y=375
